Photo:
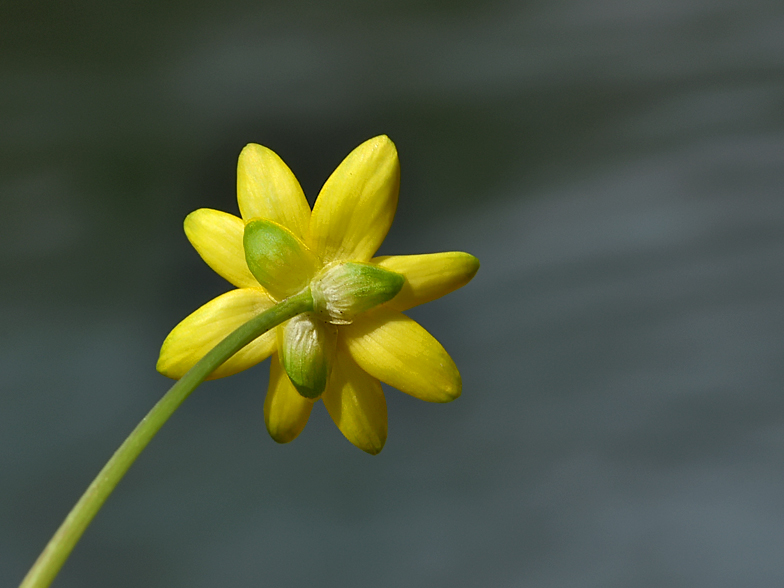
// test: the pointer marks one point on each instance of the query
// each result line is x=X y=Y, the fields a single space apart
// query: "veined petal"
x=286 y=412
x=266 y=188
x=203 y=329
x=217 y=237
x=428 y=276
x=356 y=403
x=355 y=208
x=397 y=350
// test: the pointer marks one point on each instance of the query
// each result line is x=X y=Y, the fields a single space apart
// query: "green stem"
x=62 y=543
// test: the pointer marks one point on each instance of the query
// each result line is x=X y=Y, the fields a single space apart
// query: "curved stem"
x=62 y=543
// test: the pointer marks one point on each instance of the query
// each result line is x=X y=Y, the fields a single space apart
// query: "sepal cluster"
x=344 y=290
x=307 y=352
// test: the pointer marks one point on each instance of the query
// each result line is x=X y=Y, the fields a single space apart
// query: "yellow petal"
x=266 y=188
x=357 y=203
x=285 y=411
x=356 y=403
x=217 y=236
x=397 y=350
x=202 y=330
x=428 y=276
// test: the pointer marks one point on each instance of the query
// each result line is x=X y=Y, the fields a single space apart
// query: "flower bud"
x=277 y=258
x=342 y=291
x=307 y=347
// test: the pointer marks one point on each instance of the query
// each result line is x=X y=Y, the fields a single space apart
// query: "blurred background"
x=616 y=165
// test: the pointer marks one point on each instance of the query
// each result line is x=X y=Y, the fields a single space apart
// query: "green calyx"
x=277 y=258
x=307 y=349
x=342 y=291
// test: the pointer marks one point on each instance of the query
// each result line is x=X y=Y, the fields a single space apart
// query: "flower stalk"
x=64 y=540
x=288 y=261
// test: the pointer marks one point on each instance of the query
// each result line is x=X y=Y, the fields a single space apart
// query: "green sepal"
x=277 y=258
x=307 y=349
x=342 y=291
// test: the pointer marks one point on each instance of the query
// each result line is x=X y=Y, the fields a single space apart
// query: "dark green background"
x=618 y=168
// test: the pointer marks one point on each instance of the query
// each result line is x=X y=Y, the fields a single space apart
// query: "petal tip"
x=472 y=264
x=283 y=437
x=373 y=450
x=252 y=148
x=371 y=445
x=451 y=387
x=452 y=392
x=285 y=431
x=164 y=369
x=193 y=220
x=382 y=140
x=166 y=364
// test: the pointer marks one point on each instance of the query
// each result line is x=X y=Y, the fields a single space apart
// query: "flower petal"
x=203 y=329
x=397 y=350
x=428 y=276
x=266 y=188
x=285 y=411
x=356 y=403
x=355 y=208
x=217 y=237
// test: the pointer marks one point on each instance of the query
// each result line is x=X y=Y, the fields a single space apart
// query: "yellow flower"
x=278 y=248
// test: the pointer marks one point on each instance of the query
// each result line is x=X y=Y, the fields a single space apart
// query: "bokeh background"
x=617 y=166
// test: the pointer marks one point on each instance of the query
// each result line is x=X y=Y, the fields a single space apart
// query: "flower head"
x=357 y=335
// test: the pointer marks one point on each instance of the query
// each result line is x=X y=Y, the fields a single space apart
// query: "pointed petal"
x=356 y=403
x=217 y=236
x=397 y=350
x=357 y=203
x=202 y=330
x=428 y=276
x=285 y=411
x=266 y=188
